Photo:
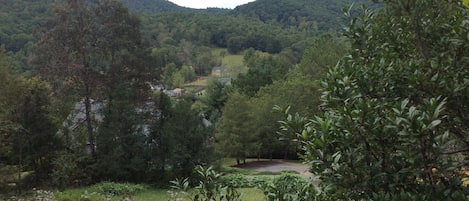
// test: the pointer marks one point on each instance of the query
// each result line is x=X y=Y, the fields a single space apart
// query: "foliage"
x=216 y=96
x=262 y=71
x=234 y=33
x=27 y=130
x=288 y=187
x=154 y=6
x=93 y=51
x=392 y=109
x=251 y=121
x=322 y=16
x=325 y=51
x=233 y=130
x=208 y=188
x=19 y=19
x=235 y=181
x=119 y=189
x=244 y=181
x=121 y=136
x=178 y=139
x=72 y=169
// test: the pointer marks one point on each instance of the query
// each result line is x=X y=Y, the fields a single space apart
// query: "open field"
x=233 y=62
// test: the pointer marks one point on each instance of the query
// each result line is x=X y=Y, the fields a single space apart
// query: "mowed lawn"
x=233 y=63
x=247 y=194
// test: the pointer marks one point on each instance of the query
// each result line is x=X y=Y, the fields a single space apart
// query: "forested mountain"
x=321 y=15
x=18 y=19
x=155 y=6
x=234 y=33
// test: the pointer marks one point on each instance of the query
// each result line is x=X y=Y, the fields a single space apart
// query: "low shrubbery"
x=111 y=188
x=243 y=181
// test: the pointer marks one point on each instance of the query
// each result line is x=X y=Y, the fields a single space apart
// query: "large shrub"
x=396 y=109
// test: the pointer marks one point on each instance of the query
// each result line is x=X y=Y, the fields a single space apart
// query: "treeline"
x=234 y=33
x=281 y=25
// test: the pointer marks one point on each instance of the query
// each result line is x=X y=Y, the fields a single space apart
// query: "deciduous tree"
x=85 y=48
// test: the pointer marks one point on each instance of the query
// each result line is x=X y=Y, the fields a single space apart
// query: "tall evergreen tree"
x=234 y=130
x=180 y=139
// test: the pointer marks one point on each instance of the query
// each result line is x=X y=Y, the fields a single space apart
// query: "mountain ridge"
x=322 y=15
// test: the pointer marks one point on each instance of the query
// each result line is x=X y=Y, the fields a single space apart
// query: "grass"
x=201 y=81
x=233 y=63
x=251 y=194
x=146 y=193
x=86 y=193
x=152 y=194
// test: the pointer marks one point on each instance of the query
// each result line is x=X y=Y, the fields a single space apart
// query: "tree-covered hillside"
x=322 y=15
x=18 y=20
x=156 y=6
x=153 y=6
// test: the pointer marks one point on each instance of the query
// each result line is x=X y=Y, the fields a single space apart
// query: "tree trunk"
x=89 y=121
x=20 y=167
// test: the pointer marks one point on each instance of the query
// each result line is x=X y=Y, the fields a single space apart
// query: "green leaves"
x=394 y=106
x=208 y=189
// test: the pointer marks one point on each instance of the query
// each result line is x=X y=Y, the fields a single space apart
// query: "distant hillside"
x=18 y=20
x=322 y=15
x=155 y=6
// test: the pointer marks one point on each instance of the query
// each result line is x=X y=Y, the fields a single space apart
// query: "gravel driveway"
x=277 y=166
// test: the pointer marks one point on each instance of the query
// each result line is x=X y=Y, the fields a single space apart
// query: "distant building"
x=175 y=92
x=218 y=71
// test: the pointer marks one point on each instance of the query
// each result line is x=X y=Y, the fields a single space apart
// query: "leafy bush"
x=289 y=187
x=394 y=111
x=209 y=188
x=111 y=188
x=235 y=181
x=72 y=170
x=243 y=181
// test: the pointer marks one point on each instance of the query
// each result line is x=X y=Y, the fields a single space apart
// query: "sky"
x=210 y=3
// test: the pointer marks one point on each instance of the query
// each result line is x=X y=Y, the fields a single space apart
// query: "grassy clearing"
x=201 y=81
x=233 y=62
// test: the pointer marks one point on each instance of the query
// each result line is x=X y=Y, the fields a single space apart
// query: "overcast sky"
x=210 y=3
